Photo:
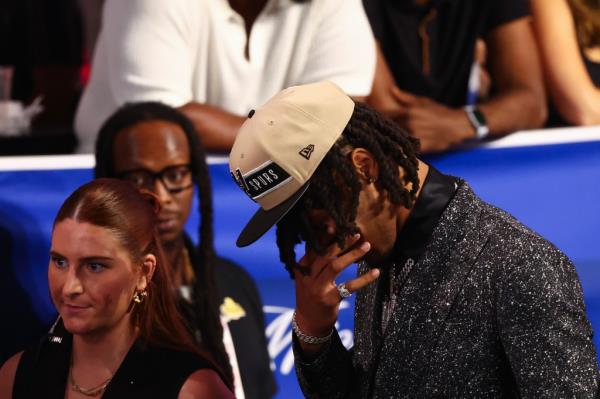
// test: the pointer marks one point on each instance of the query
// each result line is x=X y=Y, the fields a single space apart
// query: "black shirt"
x=453 y=30
x=146 y=371
x=247 y=332
x=593 y=69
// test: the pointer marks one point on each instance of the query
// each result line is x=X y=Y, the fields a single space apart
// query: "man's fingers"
x=334 y=250
x=403 y=97
x=315 y=263
x=362 y=281
x=308 y=258
x=336 y=266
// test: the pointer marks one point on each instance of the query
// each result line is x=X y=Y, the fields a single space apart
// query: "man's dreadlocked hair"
x=335 y=186
x=205 y=294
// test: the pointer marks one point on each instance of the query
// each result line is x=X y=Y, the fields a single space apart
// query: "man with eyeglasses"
x=156 y=148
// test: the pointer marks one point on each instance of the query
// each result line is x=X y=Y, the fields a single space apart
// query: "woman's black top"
x=593 y=69
x=146 y=371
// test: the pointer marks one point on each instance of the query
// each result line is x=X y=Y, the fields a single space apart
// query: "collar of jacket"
x=427 y=297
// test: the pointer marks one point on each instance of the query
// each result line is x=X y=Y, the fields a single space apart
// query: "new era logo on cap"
x=307 y=151
x=280 y=145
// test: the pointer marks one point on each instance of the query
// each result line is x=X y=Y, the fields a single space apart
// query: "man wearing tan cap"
x=455 y=298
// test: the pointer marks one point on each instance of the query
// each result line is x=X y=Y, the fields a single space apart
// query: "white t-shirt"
x=178 y=51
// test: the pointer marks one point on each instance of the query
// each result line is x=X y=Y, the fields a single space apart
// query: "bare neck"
x=102 y=352
x=174 y=254
x=402 y=213
x=389 y=223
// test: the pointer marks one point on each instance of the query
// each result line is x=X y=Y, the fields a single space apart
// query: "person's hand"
x=437 y=126
x=393 y=103
x=317 y=297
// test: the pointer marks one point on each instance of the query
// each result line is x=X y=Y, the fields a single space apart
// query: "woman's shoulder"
x=7 y=375
x=205 y=383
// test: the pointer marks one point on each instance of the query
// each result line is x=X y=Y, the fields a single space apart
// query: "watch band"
x=477 y=120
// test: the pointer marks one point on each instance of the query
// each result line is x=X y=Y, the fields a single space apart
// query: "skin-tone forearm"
x=382 y=97
x=573 y=93
x=317 y=298
x=518 y=103
x=217 y=128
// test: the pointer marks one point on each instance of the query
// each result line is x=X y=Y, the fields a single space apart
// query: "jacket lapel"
x=367 y=337
x=435 y=281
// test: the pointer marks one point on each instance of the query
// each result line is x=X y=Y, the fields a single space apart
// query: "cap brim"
x=263 y=220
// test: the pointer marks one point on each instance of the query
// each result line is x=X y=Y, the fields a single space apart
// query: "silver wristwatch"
x=478 y=121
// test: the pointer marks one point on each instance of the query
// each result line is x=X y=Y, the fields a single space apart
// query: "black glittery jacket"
x=490 y=310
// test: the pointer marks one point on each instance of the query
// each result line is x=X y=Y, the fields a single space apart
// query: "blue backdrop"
x=554 y=189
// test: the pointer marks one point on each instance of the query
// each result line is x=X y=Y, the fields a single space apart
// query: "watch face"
x=478 y=121
x=479 y=117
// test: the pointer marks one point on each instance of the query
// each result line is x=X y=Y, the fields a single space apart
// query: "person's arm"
x=385 y=96
x=7 y=375
x=329 y=373
x=205 y=384
x=325 y=369
x=342 y=35
x=154 y=46
x=573 y=93
x=437 y=126
x=519 y=100
x=217 y=128
x=543 y=327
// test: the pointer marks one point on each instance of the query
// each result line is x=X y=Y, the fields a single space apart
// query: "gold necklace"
x=95 y=391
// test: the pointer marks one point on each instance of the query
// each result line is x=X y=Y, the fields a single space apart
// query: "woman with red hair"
x=119 y=333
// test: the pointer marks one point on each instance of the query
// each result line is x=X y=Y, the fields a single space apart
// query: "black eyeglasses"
x=175 y=178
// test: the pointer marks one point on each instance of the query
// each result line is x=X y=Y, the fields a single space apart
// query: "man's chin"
x=169 y=237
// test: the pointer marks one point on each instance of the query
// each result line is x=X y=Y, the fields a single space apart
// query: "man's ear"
x=365 y=165
x=148 y=268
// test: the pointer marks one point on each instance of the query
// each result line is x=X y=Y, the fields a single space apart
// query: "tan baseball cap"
x=279 y=147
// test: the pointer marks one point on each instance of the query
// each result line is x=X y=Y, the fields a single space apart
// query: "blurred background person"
x=157 y=148
x=568 y=34
x=43 y=42
x=215 y=60
x=119 y=333
x=424 y=62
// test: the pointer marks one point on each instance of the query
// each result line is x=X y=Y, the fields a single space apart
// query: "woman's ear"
x=148 y=268
x=365 y=165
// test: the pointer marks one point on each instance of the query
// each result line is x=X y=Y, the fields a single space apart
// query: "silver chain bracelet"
x=309 y=339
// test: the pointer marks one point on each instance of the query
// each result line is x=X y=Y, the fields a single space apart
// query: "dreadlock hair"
x=335 y=186
x=205 y=295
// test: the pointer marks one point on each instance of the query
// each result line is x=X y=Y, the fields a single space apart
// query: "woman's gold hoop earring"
x=139 y=297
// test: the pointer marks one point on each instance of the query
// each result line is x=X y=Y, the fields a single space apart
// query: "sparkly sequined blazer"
x=490 y=310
